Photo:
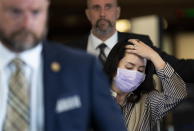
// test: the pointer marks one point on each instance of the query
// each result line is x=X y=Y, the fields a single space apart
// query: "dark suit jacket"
x=76 y=93
x=185 y=68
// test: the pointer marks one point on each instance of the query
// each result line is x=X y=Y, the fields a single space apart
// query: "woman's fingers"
x=139 y=48
x=132 y=47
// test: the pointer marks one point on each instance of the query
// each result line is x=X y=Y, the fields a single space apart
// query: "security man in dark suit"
x=45 y=86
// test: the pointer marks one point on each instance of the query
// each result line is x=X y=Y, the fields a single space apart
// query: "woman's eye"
x=129 y=68
x=141 y=70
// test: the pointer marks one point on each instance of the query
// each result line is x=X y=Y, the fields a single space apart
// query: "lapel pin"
x=55 y=66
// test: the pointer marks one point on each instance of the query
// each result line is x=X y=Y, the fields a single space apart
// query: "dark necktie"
x=102 y=55
x=18 y=109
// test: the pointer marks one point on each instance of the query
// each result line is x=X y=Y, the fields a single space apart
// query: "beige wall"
x=147 y=25
x=167 y=44
x=185 y=45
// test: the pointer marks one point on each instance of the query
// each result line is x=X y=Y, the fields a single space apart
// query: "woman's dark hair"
x=111 y=65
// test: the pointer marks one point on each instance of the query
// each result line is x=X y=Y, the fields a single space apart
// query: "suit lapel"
x=50 y=83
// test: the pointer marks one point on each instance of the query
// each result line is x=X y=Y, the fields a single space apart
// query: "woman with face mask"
x=130 y=67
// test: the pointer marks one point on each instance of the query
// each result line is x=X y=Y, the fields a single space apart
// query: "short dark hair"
x=111 y=64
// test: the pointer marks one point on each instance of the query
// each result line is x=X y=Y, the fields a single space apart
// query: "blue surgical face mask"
x=128 y=80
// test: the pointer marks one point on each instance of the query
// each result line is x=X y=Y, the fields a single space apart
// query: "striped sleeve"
x=174 y=91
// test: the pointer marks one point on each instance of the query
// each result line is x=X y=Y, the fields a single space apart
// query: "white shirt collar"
x=5 y=56
x=31 y=57
x=110 y=42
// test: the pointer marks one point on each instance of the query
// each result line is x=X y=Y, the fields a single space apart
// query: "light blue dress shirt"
x=33 y=71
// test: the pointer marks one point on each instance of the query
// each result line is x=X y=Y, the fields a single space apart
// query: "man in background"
x=102 y=14
x=45 y=86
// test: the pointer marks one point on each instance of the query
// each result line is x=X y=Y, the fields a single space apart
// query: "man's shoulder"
x=63 y=51
x=131 y=35
x=69 y=58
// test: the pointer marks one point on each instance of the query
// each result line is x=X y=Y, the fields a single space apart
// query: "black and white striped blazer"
x=156 y=104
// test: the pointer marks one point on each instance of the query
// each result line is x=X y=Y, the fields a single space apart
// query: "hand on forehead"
x=134 y=57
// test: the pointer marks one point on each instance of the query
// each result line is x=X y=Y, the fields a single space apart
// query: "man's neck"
x=104 y=37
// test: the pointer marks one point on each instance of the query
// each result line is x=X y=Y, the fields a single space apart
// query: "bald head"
x=89 y=2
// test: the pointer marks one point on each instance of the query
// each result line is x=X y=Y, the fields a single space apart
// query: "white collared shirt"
x=33 y=72
x=94 y=42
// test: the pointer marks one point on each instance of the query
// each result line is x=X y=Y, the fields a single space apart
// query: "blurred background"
x=169 y=23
